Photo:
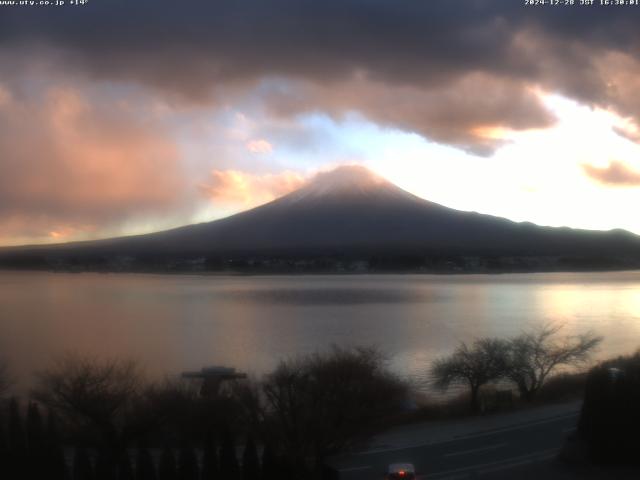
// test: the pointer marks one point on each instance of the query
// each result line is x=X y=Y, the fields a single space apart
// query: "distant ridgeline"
x=346 y=220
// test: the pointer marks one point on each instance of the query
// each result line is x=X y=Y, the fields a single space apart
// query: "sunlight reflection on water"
x=173 y=323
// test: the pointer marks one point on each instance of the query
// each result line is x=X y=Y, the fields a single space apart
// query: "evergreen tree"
x=285 y=469
x=210 y=460
x=250 y=461
x=188 y=464
x=52 y=437
x=229 y=469
x=4 y=445
x=18 y=461
x=36 y=443
x=82 y=466
x=105 y=468
x=269 y=464
x=17 y=438
x=56 y=466
x=35 y=428
x=125 y=472
x=145 y=469
x=167 y=469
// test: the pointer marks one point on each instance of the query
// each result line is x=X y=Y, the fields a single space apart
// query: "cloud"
x=66 y=232
x=416 y=53
x=74 y=161
x=615 y=174
x=5 y=96
x=247 y=189
x=259 y=146
x=459 y=113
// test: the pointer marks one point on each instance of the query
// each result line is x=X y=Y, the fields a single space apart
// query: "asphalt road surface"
x=473 y=456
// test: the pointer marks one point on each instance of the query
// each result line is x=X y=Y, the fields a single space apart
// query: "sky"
x=120 y=117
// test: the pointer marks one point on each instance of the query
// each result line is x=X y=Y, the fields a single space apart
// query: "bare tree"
x=321 y=403
x=92 y=394
x=474 y=365
x=532 y=356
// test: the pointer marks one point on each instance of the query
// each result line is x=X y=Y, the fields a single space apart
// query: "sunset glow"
x=173 y=140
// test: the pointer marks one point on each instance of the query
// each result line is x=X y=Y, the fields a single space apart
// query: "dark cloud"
x=79 y=148
x=615 y=174
x=460 y=113
x=210 y=50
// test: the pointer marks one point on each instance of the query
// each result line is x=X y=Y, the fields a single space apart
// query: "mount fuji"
x=347 y=213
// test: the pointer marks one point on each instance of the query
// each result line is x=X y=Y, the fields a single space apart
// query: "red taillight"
x=401 y=473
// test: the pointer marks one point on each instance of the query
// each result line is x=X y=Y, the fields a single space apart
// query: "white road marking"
x=475 y=450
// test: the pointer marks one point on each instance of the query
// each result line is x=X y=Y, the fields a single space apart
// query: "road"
x=473 y=456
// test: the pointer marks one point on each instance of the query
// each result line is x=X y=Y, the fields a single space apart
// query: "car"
x=401 y=471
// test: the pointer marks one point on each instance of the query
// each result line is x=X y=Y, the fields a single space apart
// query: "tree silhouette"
x=5 y=458
x=167 y=469
x=322 y=403
x=18 y=460
x=210 y=469
x=125 y=472
x=35 y=427
x=610 y=418
x=95 y=394
x=287 y=471
x=269 y=464
x=145 y=468
x=82 y=466
x=250 y=461
x=105 y=467
x=36 y=443
x=229 y=469
x=187 y=464
x=56 y=464
x=475 y=365
x=533 y=356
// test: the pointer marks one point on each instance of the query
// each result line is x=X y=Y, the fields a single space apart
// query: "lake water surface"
x=172 y=323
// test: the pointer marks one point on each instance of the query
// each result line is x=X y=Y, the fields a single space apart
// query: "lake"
x=171 y=323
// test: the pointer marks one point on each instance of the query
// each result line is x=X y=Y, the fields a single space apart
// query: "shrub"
x=610 y=417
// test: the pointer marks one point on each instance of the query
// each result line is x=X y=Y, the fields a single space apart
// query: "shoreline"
x=240 y=273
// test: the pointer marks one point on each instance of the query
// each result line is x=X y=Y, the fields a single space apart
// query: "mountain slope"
x=351 y=211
